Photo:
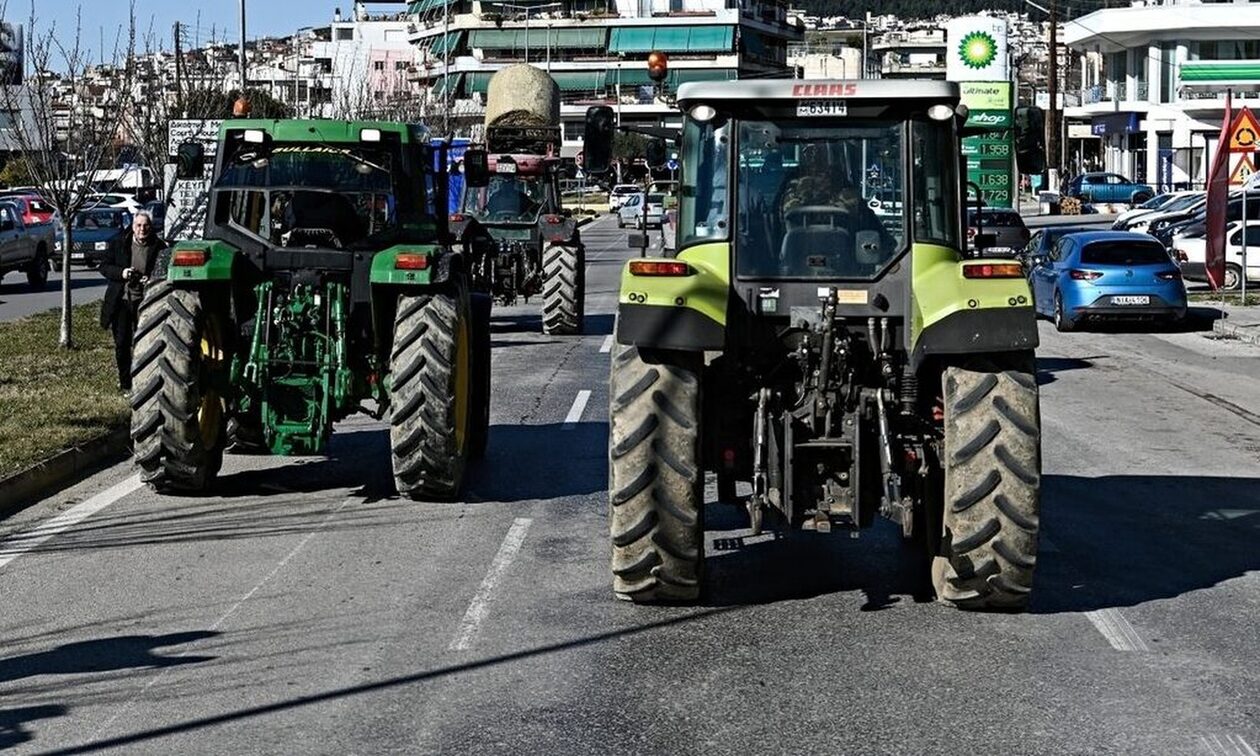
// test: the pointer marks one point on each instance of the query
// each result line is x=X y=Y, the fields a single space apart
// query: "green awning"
x=515 y=39
x=439 y=83
x=1220 y=72
x=479 y=82
x=579 y=81
x=423 y=6
x=586 y=39
x=441 y=42
x=638 y=76
x=684 y=39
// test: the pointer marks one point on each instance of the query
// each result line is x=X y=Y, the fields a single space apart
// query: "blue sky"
x=266 y=17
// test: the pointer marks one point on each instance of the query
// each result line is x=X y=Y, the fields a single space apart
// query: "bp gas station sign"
x=978 y=59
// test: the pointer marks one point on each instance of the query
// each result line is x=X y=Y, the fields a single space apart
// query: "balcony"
x=1115 y=92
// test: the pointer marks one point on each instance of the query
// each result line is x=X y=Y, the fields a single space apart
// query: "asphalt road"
x=305 y=609
x=17 y=299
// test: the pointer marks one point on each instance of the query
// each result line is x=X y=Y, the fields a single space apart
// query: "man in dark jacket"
x=127 y=267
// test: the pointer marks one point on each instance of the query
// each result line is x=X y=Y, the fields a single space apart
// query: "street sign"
x=1245 y=169
x=672 y=164
x=1244 y=134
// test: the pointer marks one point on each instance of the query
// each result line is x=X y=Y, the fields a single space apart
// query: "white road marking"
x=1229 y=745
x=608 y=344
x=231 y=610
x=22 y=543
x=1117 y=630
x=480 y=606
x=575 y=412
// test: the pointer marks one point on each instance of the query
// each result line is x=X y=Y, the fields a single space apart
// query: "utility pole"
x=1052 y=123
x=244 y=80
x=446 y=71
x=179 y=71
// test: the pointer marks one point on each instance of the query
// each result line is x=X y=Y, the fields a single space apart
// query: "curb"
x=21 y=490
x=1251 y=335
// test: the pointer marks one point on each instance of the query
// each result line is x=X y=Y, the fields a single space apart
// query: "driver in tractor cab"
x=821 y=184
x=510 y=198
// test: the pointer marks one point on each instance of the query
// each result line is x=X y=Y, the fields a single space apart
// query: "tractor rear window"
x=1124 y=253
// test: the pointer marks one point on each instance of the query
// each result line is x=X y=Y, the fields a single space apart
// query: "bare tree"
x=61 y=140
x=365 y=94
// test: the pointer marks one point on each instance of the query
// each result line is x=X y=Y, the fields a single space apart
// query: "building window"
x=1167 y=69
x=378 y=65
x=344 y=35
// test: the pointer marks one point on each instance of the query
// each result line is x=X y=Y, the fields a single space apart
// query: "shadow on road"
x=12 y=723
x=1048 y=368
x=595 y=325
x=540 y=462
x=104 y=655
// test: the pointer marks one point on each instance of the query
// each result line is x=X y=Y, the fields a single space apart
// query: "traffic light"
x=1030 y=139
x=658 y=66
x=598 y=139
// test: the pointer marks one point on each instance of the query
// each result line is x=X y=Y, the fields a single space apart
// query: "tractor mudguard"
x=953 y=314
x=217 y=259
x=424 y=265
x=686 y=312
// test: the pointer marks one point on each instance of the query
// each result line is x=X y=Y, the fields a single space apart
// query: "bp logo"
x=978 y=50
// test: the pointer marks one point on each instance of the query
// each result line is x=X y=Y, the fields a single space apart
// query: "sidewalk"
x=1242 y=323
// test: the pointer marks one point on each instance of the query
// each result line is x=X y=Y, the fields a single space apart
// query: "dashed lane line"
x=1227 y=745
x=480 y=606
x=1116 y=629
x=575 y=412
x=23 y=543
x=607 y=345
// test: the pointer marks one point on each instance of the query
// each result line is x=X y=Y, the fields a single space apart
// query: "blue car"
x=1108 y=188
x=1107 y=274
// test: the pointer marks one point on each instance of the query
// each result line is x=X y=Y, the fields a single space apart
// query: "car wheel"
x=1062 y=323
x=1233 y=277
x=621 y=223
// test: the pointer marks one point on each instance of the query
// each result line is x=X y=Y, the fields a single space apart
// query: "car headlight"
x=101 y=246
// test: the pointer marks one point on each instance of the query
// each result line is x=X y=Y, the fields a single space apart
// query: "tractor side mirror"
x=656 y=153
x=477 y=168
x=190 y=161
x=1030 y=139
x=597 y=141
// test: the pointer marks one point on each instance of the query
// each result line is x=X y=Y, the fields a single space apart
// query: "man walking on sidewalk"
x=128 y=267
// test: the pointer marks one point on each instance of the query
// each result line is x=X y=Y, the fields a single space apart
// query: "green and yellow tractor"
x=326 y=284
x=822 y=337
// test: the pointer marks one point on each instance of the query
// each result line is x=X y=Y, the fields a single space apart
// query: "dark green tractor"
x=823 y=337
x=326 y=284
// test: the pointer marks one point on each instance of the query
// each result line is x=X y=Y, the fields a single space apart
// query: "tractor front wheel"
x=432 y=388
x=177 y=418
x=992 y=482
x=655 y=481
x=564 y=293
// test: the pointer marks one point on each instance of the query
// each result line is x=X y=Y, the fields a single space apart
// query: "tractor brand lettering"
x=824 y=90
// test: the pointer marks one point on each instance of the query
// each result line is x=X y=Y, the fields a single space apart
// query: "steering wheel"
x=804 y=211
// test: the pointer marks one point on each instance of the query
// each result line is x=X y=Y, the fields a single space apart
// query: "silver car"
x=632 y=213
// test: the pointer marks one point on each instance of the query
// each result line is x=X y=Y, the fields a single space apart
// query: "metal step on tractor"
x=526 y=243
x=326 y=283
x=838 y=363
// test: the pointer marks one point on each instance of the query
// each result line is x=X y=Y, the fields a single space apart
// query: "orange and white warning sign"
x=1244 y=135
x=1245 y=169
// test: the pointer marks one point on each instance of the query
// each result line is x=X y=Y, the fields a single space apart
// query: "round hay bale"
x=522 y=95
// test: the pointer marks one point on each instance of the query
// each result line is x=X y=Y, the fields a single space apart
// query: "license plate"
x=77 y=256
x=816 y=108
x=505 y=168
x=1130 y=300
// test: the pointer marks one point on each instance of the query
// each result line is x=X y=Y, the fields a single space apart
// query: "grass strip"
x=53 y=399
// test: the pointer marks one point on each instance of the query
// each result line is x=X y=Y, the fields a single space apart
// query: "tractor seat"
x=816 y=251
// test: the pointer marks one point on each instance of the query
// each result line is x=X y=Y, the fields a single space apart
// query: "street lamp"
x=528 y=9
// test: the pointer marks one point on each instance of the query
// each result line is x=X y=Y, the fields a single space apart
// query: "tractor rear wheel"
x=431 y=393
x=564 y=293
x=177 y=414
x=992 y=482
x=655 y=480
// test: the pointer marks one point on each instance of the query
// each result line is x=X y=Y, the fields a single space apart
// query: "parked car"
x=631 y=213
x=95 y=230
x=1108 y=187
x=114 y=200
x=1159 y=203
x=1188 y=203
x=22 y=247
x=1191 y=252
x=1007 y=225
x=1192 y=223
x=619 y=194
x=33 y=208
x=1107 y=274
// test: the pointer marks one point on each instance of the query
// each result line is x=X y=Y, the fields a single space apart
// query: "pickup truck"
x=24 y=248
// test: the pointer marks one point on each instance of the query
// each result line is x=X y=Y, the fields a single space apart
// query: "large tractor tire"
x=431 y=392
x=564 y=293
x=177 y=414
x=992 y=483
x=655 y=479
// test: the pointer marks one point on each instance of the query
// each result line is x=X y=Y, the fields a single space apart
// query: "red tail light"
x=994 y=270
x=458 y=217
x=554 y=220
x=659 y=268
x=1084 y=275
x=189 y=258
x=1169 y=275
x=411 y=261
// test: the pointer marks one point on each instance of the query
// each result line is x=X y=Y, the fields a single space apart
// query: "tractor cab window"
x=508 y=198
x=819 y=201
x=316 y=195
x=702 y=202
